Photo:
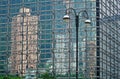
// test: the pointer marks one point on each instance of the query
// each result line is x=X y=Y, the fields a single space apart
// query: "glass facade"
x=34 y=36
x=108 y=38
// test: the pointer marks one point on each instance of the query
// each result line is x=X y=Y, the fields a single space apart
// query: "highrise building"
x=60 y=54
x=99 y=42
x=24 y=41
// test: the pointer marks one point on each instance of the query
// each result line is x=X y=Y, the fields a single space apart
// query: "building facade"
x=24 y=41
x=107 y=28
x=99 y=42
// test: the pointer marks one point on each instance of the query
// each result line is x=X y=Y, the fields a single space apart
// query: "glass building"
x=34 y=36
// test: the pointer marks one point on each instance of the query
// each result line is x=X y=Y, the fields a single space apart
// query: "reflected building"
x=60 y=54
x=24 y=41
